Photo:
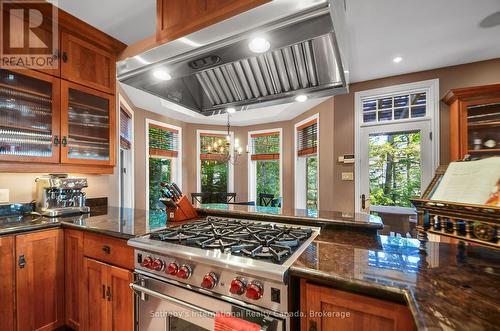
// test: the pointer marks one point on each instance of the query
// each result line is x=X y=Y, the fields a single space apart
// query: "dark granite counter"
x=452 y=288
x=293 y=216
x=117 y=222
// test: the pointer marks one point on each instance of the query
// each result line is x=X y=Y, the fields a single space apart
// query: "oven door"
x=164 y=306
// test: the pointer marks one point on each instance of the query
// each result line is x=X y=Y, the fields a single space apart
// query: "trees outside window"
x=214 y=176
x=312 y=182
x=160 y=170
x=268 y=177
x=394 y=168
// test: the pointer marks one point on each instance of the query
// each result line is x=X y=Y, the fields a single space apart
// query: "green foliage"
x=312 y=182
x=266 y=145
x=214 y=176
x=394 y=163
x=162 y=139
x=160 y=170
x=206 y=141
x=268 y=177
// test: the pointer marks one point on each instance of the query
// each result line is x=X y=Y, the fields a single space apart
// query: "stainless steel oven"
x=163 y=305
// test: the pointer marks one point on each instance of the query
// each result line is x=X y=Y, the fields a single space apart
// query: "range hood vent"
x=304 y=59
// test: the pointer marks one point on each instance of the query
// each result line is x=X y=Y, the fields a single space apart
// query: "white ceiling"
x=427 y=34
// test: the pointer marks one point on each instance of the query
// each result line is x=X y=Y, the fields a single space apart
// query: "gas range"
x=244 y=262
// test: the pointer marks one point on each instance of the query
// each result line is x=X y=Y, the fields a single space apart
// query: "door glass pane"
x=25 y=115
x=214 y=176
x=312 y=182
x=268 y=177
x=88 y=126
x=160 y=170
x=394 y=168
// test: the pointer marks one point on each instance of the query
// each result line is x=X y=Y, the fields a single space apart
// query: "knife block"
x=184 y=211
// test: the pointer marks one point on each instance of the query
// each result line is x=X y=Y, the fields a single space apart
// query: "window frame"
x=252 y=165
x=230 y=175
x=300 y=176
x=431 y=87
x=176 y=166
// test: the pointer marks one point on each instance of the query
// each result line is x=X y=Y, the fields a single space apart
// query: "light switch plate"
x=347 y=176
x=4 y=195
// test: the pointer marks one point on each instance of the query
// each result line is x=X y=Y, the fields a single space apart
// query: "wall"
x=472 y=74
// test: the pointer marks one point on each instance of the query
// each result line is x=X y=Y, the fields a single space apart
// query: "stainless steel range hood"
x=305 y=57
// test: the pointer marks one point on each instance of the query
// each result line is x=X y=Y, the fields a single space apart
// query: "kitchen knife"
x=177 y=189
x=172 y=190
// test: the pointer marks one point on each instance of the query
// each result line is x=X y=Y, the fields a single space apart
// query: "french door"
x=395 y=165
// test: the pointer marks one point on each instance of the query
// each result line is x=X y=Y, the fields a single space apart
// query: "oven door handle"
x=144 y=290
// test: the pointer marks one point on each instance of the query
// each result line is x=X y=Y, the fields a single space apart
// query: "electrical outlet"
x=4 y=195
x=347 y=176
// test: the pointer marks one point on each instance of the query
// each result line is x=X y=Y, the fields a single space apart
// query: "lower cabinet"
x=107 y=300
x=329 y=309
x=7 y=274
x=39 y=280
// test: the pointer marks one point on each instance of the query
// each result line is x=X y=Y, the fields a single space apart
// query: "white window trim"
x=130 y=110
x=230 y=179
x=431 y=87
x=252 y=180
x=299 y=177
x=177 y=173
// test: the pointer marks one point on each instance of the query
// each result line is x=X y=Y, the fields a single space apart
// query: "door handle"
x=56 y=140
x=108 y=293
x=21 y=262
x=313 y=326
x=64 y=141
x=65 y=57
x=363 y=201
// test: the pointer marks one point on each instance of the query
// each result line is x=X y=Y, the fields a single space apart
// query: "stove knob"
x=209 y=281
x=146 y=263
x=172 y=268
x=157 y=265
x=184 y=272
x=238 y=286
x=254 y=290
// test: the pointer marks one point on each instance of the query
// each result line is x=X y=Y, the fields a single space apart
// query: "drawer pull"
x=106 y=249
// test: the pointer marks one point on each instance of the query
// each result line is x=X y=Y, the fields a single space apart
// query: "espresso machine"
x=59 y=195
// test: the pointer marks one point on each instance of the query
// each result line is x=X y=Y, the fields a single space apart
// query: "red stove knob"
x=184 y=272
x=157 y=265
x=237 y=286
x=254 y=291
x=146 y=263
x=209 y=281
x=172 y=268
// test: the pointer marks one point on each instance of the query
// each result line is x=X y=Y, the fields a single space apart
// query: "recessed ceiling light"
x=259 y=45
x=231 y=110
x=161 y=74
x=397 y=59
x=301 y=98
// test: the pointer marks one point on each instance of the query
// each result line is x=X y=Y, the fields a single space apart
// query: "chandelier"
x=222 y=147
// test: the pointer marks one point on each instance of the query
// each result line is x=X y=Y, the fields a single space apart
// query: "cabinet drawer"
x=111 y=250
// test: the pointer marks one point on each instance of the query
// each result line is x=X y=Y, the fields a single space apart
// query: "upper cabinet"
x=29 y=116
x=474 y=121
x=88 y=125
x=87 y=64
x=177 y=18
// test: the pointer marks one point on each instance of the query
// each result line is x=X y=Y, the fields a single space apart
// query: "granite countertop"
x=293 y=216
x=122 y=223
x=453 y=287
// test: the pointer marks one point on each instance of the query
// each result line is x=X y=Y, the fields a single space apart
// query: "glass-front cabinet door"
x=87 y=126
x=29 y=116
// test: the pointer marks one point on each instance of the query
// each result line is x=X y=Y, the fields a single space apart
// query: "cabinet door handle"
x=65 y=57
x=104 y=292
x=21 y=262
x=56 y=140
x=106 y=249
x=108 y=293
x=313 y=326
x=64 y=141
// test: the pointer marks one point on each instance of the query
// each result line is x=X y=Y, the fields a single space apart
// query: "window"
x=163 y=145
x=125 y=129
x=215 y=170
x=307 y=164
x=397 y=107
x=125 y=164
x=265 y=166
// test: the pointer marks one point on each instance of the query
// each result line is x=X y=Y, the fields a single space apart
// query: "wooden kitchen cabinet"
x=365 y=313
x=474 y=120
x=7 y=274
x=40 y=280
x=107 y=298
x=87 y=64
x=73 y=276
x=177 y=18
x=87 y=125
